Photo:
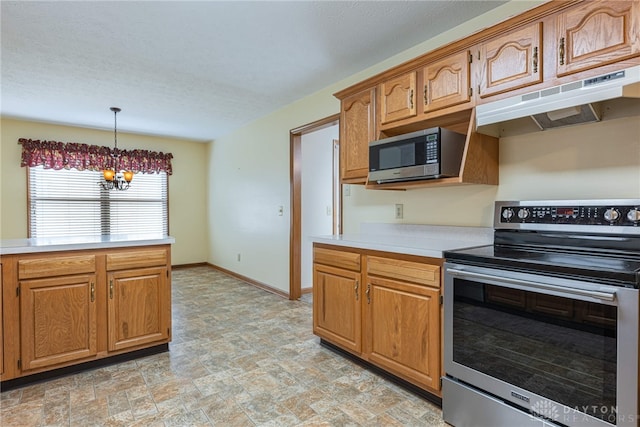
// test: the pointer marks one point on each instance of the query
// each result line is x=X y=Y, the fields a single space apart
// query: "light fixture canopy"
x=116 y=180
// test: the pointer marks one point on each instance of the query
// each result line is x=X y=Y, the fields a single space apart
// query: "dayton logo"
x=545 y=409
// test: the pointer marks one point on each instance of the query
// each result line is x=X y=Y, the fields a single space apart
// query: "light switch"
x=280 y=210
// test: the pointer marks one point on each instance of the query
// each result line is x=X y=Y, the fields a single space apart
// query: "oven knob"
x=507 y=214
x=523 y=213
x=611 y=215
x=634 y=215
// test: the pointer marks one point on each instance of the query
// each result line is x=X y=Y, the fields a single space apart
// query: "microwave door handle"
x=607 y=293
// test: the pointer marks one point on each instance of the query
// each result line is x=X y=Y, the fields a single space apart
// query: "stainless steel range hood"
x=613 y=95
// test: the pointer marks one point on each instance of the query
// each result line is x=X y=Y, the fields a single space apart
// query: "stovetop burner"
x=597 y=241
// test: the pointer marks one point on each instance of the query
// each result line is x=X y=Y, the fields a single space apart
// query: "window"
x=69 y=202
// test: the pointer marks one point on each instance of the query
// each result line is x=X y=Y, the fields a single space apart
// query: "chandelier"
x=116 y=180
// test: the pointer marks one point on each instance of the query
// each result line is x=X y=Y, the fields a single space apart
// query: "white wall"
x=317 y=193
x=249 y=171
x=248 y=175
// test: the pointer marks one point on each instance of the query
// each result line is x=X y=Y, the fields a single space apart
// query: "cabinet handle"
x=426 y=93
x=535 y=59
x=355 y=288
x=368 y=292
x=561 y=50
x=93 y=292
x=111 y=289
x=411 y=99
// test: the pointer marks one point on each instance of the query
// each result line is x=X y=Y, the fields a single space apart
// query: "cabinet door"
x=57 y=320
x=398 y=98
x=512 y=61
x=337 y=306
x=1 y=325
x=404 y=330
x=357 y=129
x=597 y=33
x=139 y=307
x=447 y=82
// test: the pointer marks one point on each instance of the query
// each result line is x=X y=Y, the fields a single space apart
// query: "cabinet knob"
x=93 y=292
x=368 y=292
x=561 y=50
x=111 y=289
x=355 y=288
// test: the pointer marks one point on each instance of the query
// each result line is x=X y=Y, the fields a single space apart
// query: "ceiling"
x=197 y=69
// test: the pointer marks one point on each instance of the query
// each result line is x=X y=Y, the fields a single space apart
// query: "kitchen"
x=566 y=163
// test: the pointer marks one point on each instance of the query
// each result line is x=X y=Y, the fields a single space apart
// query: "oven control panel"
x=605 y=214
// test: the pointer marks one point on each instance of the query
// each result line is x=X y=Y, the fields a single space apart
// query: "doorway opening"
x=296 y=172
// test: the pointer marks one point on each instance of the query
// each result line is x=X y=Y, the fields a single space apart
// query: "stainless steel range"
x=541 y=328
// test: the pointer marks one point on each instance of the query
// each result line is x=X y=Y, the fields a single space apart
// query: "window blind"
x=69 y=202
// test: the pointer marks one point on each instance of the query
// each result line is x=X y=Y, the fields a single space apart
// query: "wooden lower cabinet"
x=57 y=320
x=64 y=308
x=1 y=326
x=137 y=305
x=404 y=330
x=385 y=308
x=336 y=306
x=403 y=327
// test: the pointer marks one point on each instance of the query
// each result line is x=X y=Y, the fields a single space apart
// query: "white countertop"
x=412 y=239
x=52 y=244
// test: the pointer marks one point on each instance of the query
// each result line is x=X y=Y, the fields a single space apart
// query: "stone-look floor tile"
x=239 y=357
x=22 y=415
x=143 y=407
x=118 y=403
x=89 y=412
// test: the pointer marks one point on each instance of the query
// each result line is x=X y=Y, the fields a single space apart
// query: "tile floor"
x=240 y=356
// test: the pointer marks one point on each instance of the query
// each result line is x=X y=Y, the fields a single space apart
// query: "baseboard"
x=306 y=290
x=195 y=264
x=250 y=281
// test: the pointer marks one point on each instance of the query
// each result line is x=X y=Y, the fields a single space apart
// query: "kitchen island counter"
x=55 y=244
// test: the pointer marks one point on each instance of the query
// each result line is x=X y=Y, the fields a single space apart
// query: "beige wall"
x=187 y=189
x=599 y=160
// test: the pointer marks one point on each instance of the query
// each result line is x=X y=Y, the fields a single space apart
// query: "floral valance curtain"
x=61 y=155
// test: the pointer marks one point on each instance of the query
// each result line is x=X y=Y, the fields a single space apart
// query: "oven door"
x=558 y=350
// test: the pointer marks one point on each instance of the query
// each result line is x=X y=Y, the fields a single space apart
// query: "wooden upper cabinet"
x=447 y=82
x=357 y=129
x=597 y=33
x=511 y=61
x=398 y=98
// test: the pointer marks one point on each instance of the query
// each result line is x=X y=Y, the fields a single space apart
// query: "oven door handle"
x=604 y=294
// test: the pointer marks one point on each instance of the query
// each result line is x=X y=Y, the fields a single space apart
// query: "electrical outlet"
x=329 y=210
x=346 y=190
x=399 y=210
x=280 y=210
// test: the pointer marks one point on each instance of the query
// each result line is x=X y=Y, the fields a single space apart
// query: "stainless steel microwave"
x=425 y=154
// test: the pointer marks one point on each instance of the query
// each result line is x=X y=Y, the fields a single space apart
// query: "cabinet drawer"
x=56 y=266
x=340 y=259
x=424 y=274
x=136 y=259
